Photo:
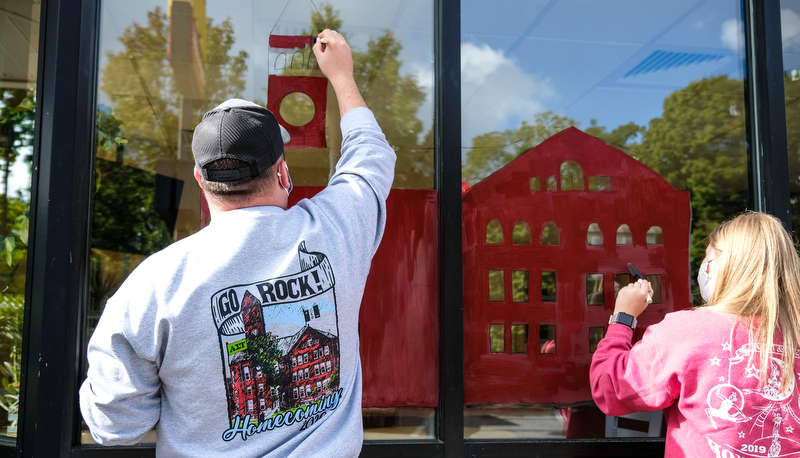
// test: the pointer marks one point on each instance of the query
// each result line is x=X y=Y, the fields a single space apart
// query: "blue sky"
x=575 y=57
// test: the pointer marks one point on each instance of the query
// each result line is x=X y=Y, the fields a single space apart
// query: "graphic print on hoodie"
x=279 y=340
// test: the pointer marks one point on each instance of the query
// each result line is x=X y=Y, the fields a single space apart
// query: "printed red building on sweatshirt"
x=248 y=385
x=546 y=240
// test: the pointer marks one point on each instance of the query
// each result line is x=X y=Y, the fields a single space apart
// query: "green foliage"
x=263 y=350
x=15 y=248
x=334 y=377
x=150 y=119
x=698 y=145
x=12 y=308
x=124 y=216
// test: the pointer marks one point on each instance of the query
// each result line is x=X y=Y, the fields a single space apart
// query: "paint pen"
x=639 y=277
x=322 y=40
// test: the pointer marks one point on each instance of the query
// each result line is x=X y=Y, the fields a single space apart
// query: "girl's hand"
x=632 y=299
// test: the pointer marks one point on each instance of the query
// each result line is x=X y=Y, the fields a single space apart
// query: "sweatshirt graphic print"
x=767 y=420
x=279 y=340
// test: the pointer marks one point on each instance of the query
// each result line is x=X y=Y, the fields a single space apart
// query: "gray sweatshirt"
x=242 y=340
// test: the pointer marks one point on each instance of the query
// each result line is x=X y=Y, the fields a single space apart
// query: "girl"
x=727 y=373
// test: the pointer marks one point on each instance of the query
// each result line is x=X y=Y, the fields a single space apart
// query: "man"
x=242 y=340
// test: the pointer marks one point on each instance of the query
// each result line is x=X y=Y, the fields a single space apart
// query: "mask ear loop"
x=288 y=191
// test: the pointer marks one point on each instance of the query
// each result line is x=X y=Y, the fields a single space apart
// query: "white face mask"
x=707 y=282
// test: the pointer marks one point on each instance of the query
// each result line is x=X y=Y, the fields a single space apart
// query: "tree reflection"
x=144 y=94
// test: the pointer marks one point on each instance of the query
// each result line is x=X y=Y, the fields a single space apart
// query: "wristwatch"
x=623 y=318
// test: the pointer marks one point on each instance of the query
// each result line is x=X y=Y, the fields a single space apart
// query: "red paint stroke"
x=289 y=41
x=399 y=318
x=312 y=134
x=638 y=197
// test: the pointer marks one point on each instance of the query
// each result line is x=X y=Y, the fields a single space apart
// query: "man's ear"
x=283 y=174
x=198 y=177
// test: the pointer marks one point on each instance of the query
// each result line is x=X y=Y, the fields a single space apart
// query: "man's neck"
x=215 y=207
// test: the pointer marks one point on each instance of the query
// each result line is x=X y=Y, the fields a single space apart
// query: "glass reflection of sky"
x=790 y=33
x=613 y=61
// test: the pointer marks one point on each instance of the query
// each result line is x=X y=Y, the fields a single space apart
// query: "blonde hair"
x=760 y=283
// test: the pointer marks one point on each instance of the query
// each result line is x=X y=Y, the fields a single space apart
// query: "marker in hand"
x=639 y=277
x=322 y=40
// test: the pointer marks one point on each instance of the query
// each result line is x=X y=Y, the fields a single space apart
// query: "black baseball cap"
x=238 y=129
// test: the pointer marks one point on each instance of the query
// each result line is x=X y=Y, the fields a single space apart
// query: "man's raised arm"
x=336 y=62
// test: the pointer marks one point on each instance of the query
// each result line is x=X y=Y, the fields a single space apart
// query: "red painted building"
x=546 y=240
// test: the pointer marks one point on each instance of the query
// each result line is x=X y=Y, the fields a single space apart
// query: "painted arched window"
x=655 y=236
x=494 y=232
x=521 y=234
x=550 y=234
x=624 y=236
x=594 y=237
x=571 y=176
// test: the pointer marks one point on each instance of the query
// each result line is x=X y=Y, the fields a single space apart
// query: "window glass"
x=522 y=234
x=594 y=236
x=571 y=176
x=621 y=281
x=599 y=183
x=547 y=338
x=594 y=289
x=655 y=283
x=790 y=21
x=497 y=286
x=655 y=236
x=648 y=99
x=550 y=234
x=494 y=232
x=624 y=236
x=519 y=285
x=548 y=286
x=162 y=64
x=519 y=338
x=19 y=50
x=497 y=340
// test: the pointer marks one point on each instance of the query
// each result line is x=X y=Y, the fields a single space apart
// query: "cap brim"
x=284 y=135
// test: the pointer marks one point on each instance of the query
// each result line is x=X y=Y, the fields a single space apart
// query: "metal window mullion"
x=450 y=415
x=766 y=110
x=56 y=272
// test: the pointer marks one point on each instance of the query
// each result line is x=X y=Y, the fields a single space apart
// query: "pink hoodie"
x=697 y=365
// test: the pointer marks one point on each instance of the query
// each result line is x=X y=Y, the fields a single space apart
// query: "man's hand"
x=632 y=299
x=336 y=62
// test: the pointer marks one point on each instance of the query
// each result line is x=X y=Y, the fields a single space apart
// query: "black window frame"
x=57 y=270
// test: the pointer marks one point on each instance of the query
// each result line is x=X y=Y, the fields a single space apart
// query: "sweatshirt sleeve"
x=363 y=178
x=625 y=378
x=120 y=398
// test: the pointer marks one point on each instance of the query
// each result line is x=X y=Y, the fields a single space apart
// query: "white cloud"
x=790 y=28
x=731 y=35
x=496 y=93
